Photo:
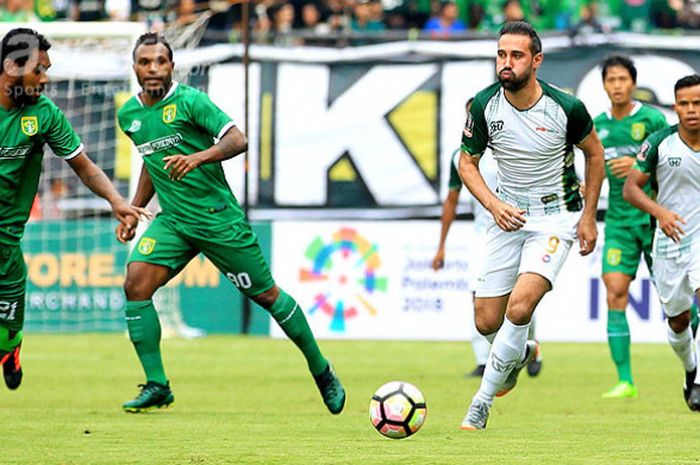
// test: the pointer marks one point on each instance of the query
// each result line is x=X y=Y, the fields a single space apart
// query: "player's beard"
x=160 y=91
x=514 y=83
x=21 y=96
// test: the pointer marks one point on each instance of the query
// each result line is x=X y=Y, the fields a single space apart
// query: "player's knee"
x=487 y=324
x=680 y=322
x=267 y=298
x=519 y=312
x=136 y=289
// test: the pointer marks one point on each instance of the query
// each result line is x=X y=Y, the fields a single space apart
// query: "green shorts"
x=13 y=285
x=233 y=248
x=623 y=247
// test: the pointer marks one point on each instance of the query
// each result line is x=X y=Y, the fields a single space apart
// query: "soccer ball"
x=397 y=409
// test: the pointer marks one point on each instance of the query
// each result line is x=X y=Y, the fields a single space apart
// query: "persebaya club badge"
x=146 y=245
x=30 y=125
x=638 y=131
x=614 y=257
x=169 y=112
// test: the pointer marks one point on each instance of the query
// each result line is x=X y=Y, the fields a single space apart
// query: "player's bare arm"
x=620 y=167
x=231 y=144
x=449 y=211
x=144 y=193
x=506 y=216
x=595 y=161
x=669 y=222
x=98 y=182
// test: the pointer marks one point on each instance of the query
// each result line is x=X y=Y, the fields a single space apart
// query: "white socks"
x=507 y=350
x=481 y=347
x=682 y=344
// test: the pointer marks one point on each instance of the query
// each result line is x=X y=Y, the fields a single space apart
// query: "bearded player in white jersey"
x=531 y=128
x=673 y=156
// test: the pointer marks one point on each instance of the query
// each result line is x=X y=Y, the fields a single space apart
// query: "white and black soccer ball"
x=397 y=409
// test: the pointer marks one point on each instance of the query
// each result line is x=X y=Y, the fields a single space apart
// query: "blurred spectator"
x=282 y=16
x=311 y=19
x=446 y=22
x=88 y=10
x=17 y=11
x=635 y=15
x=689 y=14
x=664 y=13
x=589 y=23
x=339 y=15
x=365 y=17
x=155 y=13
x=512 y=11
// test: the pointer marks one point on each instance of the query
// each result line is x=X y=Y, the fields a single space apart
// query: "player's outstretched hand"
x=439 y=260
x=587 y=235
x=670 y=223
x=507 y=217
x=179 y=165
x=619 y=167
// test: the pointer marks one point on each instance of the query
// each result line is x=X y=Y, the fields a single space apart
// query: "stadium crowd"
x=294 y=22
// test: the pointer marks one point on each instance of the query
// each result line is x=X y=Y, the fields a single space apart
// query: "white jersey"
x=677 y=170
x=533 y=148
x=489 y=171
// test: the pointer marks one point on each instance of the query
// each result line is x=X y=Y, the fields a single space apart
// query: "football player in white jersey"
x=477 y=256
x=673 y=156
x=531 y=128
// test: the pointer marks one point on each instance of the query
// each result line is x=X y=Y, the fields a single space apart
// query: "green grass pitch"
x=250 y=401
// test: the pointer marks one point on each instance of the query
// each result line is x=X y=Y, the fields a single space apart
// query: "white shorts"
x=677 y=280
x=541 y=247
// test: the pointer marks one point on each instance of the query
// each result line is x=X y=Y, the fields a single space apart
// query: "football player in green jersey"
x=628 y=231
x=28 y=120
x=176 y=128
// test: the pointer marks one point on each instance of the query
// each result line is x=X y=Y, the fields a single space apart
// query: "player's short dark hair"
x=687 y=81
x=619 y=60
x=152 y=38
x=523 y=28
x=24 y=41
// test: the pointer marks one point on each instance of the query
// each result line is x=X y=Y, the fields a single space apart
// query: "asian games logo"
x=345 y=271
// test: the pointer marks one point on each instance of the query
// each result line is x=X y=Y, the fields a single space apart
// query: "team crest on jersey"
x=29 y=125
x=614 y=257
x=169 y=112
x=674 y=161
x=146 y=245
x=638 y=131
x=135 y=126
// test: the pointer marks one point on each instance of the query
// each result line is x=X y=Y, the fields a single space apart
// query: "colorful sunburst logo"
x=345 y=270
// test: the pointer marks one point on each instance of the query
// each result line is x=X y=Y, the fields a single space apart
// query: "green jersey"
x=23 y=133
x=623 y=138
x=184 y=122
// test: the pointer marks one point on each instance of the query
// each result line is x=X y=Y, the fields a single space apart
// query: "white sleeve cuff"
x=226 y=127
x=75 y=152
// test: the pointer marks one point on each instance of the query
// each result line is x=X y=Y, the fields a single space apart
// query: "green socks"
x=291 y=319
x=619 y=342
x=9 y=340
x=144 y=332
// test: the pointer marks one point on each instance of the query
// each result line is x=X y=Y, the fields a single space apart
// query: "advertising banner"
x=373 y=280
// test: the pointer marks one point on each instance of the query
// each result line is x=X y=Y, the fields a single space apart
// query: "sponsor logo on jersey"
x=638 y=131
x=469 y=126
x=495 y=126
x=15 y=152
x=157 y=145
x=614 y=257
x=674 y=161
x=29 y=125
x=135 y=126
x=541 y=129
x=146 y=245
x=169 y=113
